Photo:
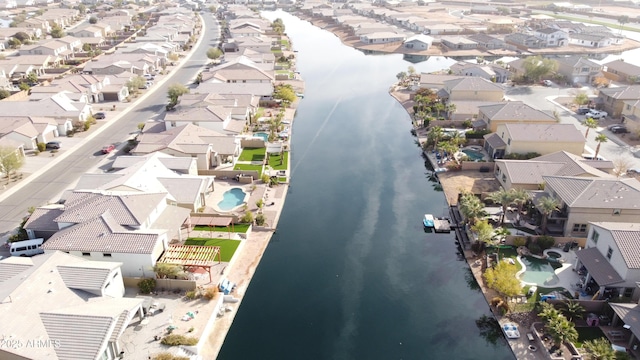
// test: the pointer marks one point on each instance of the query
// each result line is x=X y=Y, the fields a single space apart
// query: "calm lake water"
x=350 y=273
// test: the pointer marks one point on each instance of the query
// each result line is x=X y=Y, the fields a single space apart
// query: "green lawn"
x=595 y=22
x=227 y=247
x=252 y=154
x=588 y=333
x=247 y=167
x=284 y=43
x=274 y=161
x=238 y=228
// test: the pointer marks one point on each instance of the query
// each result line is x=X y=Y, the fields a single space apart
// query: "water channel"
x=350 y=273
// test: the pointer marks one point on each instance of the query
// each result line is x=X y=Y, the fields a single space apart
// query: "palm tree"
x=504 y=198
x=599 y=349
x=520 y=197
x=434 y=136
x=590 y=123
x=471 y=207
x=457 y=139
x=562 y=330
x=548 y=312
x=573 y=310
x=451 y=109
x=439 y=107
x=600 y=139
x=449 y=148
x=547 y=205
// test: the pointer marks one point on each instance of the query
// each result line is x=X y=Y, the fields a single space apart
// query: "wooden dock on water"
x=441 y=225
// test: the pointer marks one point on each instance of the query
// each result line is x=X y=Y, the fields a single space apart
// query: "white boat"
x=428 y=220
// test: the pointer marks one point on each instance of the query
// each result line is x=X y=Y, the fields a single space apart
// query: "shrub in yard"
x=247 y=218
x=147 y=286
x=175 y=340
x=260 y=219
x=545 y=242
x=42 y=147
x=210 y=293
x=534 y=248
x=86 y=125
x=191 y=295
x=519 y=241
x=168 y=356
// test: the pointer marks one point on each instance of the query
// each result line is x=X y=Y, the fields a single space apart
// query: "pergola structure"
x=212 y=221
x=192 y=256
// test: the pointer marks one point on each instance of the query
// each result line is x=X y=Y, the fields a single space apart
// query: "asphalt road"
x=41 y=189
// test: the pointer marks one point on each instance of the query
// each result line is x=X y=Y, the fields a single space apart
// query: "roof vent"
x=49 y=291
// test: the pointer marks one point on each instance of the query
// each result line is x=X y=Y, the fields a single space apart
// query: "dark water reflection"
x=351 y=273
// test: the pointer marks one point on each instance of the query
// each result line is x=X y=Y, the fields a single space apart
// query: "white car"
x=547 y=82
x=595 y=114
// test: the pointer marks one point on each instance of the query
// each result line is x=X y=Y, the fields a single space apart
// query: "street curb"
x=109 y=123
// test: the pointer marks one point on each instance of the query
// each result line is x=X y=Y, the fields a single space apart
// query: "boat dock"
x=441 y=225
x=457 y=224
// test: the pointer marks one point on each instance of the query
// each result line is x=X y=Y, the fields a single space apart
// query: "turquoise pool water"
x=231 y=199
x=538 y=271
x=265 y=136
x=473 y=154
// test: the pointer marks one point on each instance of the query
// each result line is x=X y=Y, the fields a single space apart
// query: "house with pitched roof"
x=512 y=112
x=614 y=100
x=583 y=200
x=471 y=88
x=535 y=138
x=611 y=259
x=619 y=70
x=523 y=41
x=73 y=307
x=61 y=107
x=28 y=131
x=578 y=69
x=418 y=42
x=528 y=174
x=210 y=148
x=551 y=37
x=118 y=225
x=239 y=70
x=152 y=174
x=492 y=72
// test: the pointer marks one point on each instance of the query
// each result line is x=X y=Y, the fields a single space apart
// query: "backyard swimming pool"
x=262 y=135
x=539 y=272
x=231 y=199
x=473 y=155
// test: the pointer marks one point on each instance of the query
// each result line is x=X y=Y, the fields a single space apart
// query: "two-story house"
x=512 y=112
x=578 y=69
x=615 y=99
x=551 y=37
x=525 y=138
x=620 y=70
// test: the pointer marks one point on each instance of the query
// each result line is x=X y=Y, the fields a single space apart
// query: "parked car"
x=109 y=148
x=618 y=129
x=547 y=82
x=596 y=114
x=583 y=111
x=149 y=76
x=53 y=145
x=99 y=116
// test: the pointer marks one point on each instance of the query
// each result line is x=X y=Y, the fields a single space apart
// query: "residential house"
x=89 y=85
x=126 y=226
x=584 y=200
x=54 y=48
x=418 y=42
x=528 y=174
x=109 y=65
x=471 y=88
x=523 y=41
x=578 y=70
x=210 y=149
x=87 y=32
x=619 y=70
x=551 y=37
x=492 y=72
x=59 y=107
x=501 y=26
x=590 y=40
x=614 y=100
x=537 y=138
x=382 y=38
x=459 y=43
x=486 y=42
x=512 y=112
x=240 y=70
x=610 y=259
x=441 y=28
x=28 y=131
x=72 y=307
x=264 y=61
x=152 y=174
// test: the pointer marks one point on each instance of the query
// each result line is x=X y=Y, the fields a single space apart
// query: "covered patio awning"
x=211 y=221
x=598 y=267
x=629 y=314
x=192 y=256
